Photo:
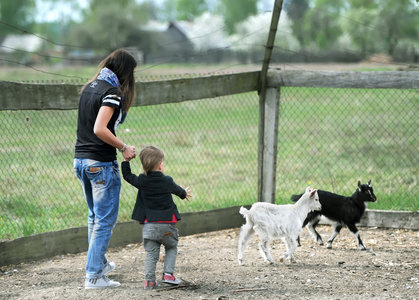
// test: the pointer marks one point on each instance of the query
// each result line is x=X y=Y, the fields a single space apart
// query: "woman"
x=104 y=103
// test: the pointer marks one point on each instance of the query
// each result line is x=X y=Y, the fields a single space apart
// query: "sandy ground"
x=207 y=264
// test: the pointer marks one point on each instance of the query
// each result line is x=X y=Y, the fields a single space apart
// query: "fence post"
x=268 y=145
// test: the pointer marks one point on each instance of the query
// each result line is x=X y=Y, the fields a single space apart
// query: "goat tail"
x=244 y=212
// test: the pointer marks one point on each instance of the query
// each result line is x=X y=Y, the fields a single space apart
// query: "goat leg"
x=264 y=251
x=291 y=245
x=291 y=250
x=311 y=226
x=246 y=234
x=336 y=229
x=355 y=231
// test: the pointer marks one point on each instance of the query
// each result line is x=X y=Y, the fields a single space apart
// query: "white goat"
x=270 y=221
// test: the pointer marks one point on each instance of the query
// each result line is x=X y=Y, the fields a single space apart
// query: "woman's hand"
x=129 y=153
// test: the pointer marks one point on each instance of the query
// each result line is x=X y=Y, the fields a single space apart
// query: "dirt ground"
x=207 y=264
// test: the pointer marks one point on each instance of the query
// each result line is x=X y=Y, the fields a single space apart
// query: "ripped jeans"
x=101 y=183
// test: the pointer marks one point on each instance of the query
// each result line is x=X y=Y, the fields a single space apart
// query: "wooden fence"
x=22 y=96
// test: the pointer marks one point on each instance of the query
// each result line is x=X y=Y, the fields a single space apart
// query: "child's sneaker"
x=100 y=283
x=110 y=266
x=169 y=278
x=149 y=285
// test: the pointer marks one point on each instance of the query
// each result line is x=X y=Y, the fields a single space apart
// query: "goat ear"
x=308 y=189
x=313 y=192
x=359 y=185
x=369 y=182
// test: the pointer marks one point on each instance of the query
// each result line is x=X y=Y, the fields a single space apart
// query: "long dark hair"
x=122 y=63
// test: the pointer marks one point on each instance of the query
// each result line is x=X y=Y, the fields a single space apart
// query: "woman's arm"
x=102 y=131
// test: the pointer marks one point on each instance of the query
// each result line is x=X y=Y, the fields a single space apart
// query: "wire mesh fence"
x=328 y=138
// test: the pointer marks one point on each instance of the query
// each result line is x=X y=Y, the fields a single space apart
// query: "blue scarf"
x=109 y=76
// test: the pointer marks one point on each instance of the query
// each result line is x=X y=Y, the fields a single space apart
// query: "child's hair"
x=151 y=157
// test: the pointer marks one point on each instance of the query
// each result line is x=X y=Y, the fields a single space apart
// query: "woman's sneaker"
x=149 y=285
x=100 y=283
x=110 y=266
x=169 y=278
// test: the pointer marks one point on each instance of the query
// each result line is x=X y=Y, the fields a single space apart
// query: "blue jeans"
x=101 y=183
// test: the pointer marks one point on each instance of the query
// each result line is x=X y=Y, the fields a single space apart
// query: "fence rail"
x=35 y=96
x=353 y=80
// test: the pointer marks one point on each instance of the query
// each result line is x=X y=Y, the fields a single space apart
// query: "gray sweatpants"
x=155 y=235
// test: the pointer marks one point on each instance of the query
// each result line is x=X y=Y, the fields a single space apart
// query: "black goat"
x=341 y=210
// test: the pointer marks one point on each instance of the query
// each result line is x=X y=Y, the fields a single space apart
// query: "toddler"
x=156 y=210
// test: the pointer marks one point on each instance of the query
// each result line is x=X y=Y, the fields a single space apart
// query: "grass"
x=81 y=73
x=327 y=138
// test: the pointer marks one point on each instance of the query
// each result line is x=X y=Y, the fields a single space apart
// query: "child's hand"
x=188 y=193
x=129 y=153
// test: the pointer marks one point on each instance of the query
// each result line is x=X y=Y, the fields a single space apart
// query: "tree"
x=252 y=34
x=236 y=11
x=168 y=10
x=109 y=25
x=189 y=9
x=381 y=26
x=322 y=24
x=397 y=20
x=16 y=16
x=95 y=4
x=206 y=32
x=359 y=24
x=296 y=11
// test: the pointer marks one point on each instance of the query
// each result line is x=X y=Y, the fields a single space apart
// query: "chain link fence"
x=328 y=138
